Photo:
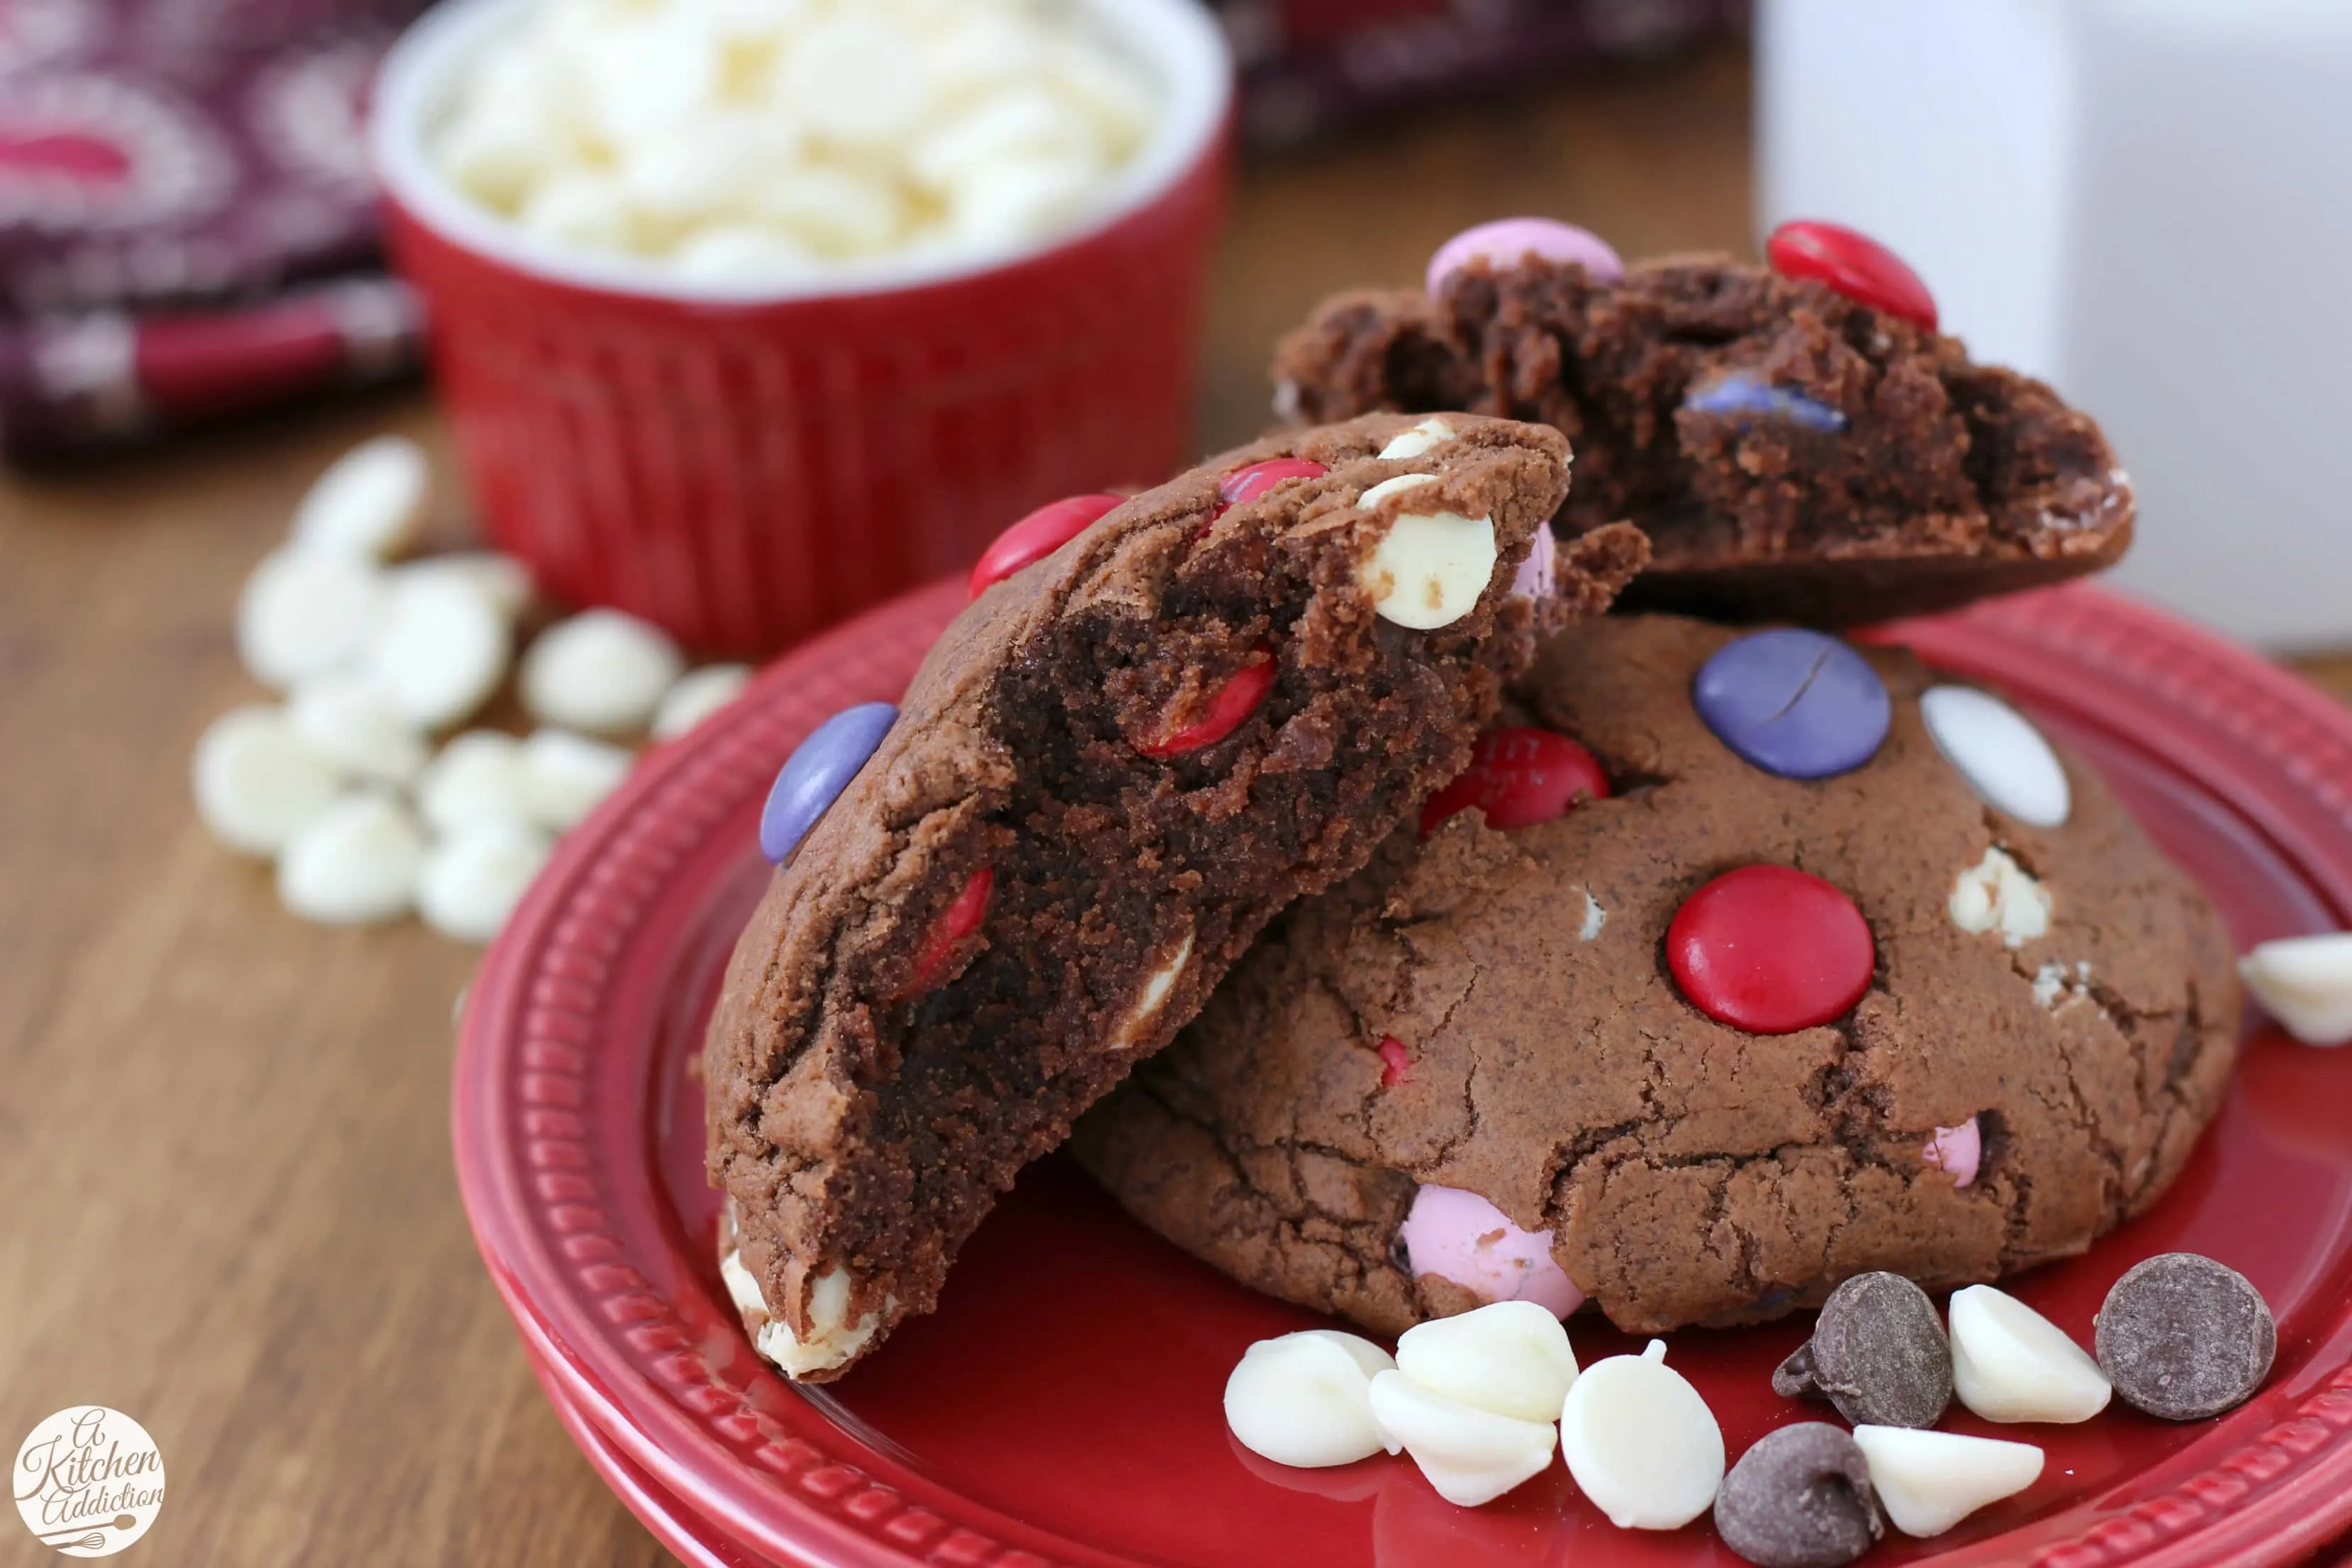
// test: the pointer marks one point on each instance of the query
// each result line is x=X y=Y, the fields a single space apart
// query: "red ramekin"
x=745 y=466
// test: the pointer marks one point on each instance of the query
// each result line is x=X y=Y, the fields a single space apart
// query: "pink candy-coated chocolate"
x=1507 y=241
x=1461 y=1237
x=1534 y=578
x=1956 y=1151
x=1396 y=1065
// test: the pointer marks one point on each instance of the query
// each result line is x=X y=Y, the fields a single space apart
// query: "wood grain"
x=224 y=1163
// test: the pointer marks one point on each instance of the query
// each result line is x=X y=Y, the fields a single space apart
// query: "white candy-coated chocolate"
x=1471 y=1456
x=2304 y=983
x=2010 y=1364
x=566 y=776
x=1640 y=1442
x=472 y=880
x=478 y=780
x=834 y=1340
x=304 y=613
x=355 y=725
x=356 y=865
x=603 y=671
x=258 y=783
x=1429 y=569
x=1510 y=1357
x=1997 y=749
x=1421 y=439
x=1929 y=1482
x=1305 y=1399
x=696 y=696
x=368 y=502
x=440 y=645
x=1997 y=895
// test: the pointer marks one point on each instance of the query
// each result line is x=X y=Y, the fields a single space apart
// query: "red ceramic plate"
x=1063 y=1406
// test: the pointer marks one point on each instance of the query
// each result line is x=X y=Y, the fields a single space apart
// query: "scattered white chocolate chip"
x=1510 y=1357
x=602 y=671
x=1929 y=1482
x=1595 y=918
x=1471 y=1456
x=476 y=780
x=503 y=579
x=2053 y=987
x=471 y=880
x=1996 y=894
x=1305 y=1399
x=440 y=646
x=565 y=776
x=2304 y=983
x=2009 y=1363
x=2000 y=753
x=1429 y=569
x=304 y=613
x=1423 y=436
x=696 y=696
x=369 y=501
x=1397 y=486
x=1641 y=1442
x=258 y=782
x=356 y=864
x=833 y=1342
x=353 y=724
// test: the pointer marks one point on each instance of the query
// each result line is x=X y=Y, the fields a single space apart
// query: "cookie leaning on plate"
x=1792 y=453
x=1111 y=770
x=1849 y=971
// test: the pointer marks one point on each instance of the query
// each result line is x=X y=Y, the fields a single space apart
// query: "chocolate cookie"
x=1110 y=771
x=1703 y=1048
x=1793 y=453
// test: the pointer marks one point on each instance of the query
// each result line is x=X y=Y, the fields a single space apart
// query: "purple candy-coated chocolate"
x=1537 y=577
x=1795 y=703
x=816 y=774
x=1742 y=396
x=1506 y=241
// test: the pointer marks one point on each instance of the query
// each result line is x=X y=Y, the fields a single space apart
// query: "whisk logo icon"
x=88 y=1482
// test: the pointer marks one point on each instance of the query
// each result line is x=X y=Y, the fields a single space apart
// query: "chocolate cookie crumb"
x=1800 y=1498
x=2184 y=1337
x=1878 y=1353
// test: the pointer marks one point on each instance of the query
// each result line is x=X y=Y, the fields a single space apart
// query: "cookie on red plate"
x=1788 y=962
x=1161 y=720
x=1799 y=443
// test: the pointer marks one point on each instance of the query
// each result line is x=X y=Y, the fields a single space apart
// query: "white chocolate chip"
x=1510 y=1357
x=471 y=880
x=357 y=864
x=1641 y=1442
x=1429 y=569
x=504 y=580
x=2009 y=1363
x=476 y=780
x=369 y=501
x=1305 y=1399
x=566 y=776
x=1470 y=1456
x=1996 y=894
x=1397 y=486
x=1929 y=1482
x=1421 y=439
x=258 y=782
x=440 y=646
x=696 y=696
x=832 y=1343
x=350 y=721
x=2304 y=983
x=1595 y=918
x=1153 y=996
x=852 y=81
x=603 y=671
x=304 y=613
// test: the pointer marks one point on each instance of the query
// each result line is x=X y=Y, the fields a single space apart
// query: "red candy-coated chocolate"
x=1036 y=536
x=1770 y=950
x=1519 y=777
x=1223 y=714
x=1249 y=483
x=1853 y=264
x=1396 y=1066
x=957 y=922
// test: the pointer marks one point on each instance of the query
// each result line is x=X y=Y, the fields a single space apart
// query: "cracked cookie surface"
x=1687 y=1171
x=1071 y=830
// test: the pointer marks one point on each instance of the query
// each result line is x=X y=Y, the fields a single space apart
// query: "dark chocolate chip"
x=1800 y=1498
x=1878 y=1353
x=2184 y=1337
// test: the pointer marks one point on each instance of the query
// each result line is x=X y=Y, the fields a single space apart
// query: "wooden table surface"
x=224 y=1163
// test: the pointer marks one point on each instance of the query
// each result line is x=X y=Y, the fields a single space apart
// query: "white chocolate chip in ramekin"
x=1429 y=569
x=2304 y=983
x=829 y=1347
x=369 y=501
x=1421 y=439
x=1305 y=1399
x=1471 y=1456
x=1508 y=1357
x=1996 y=894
